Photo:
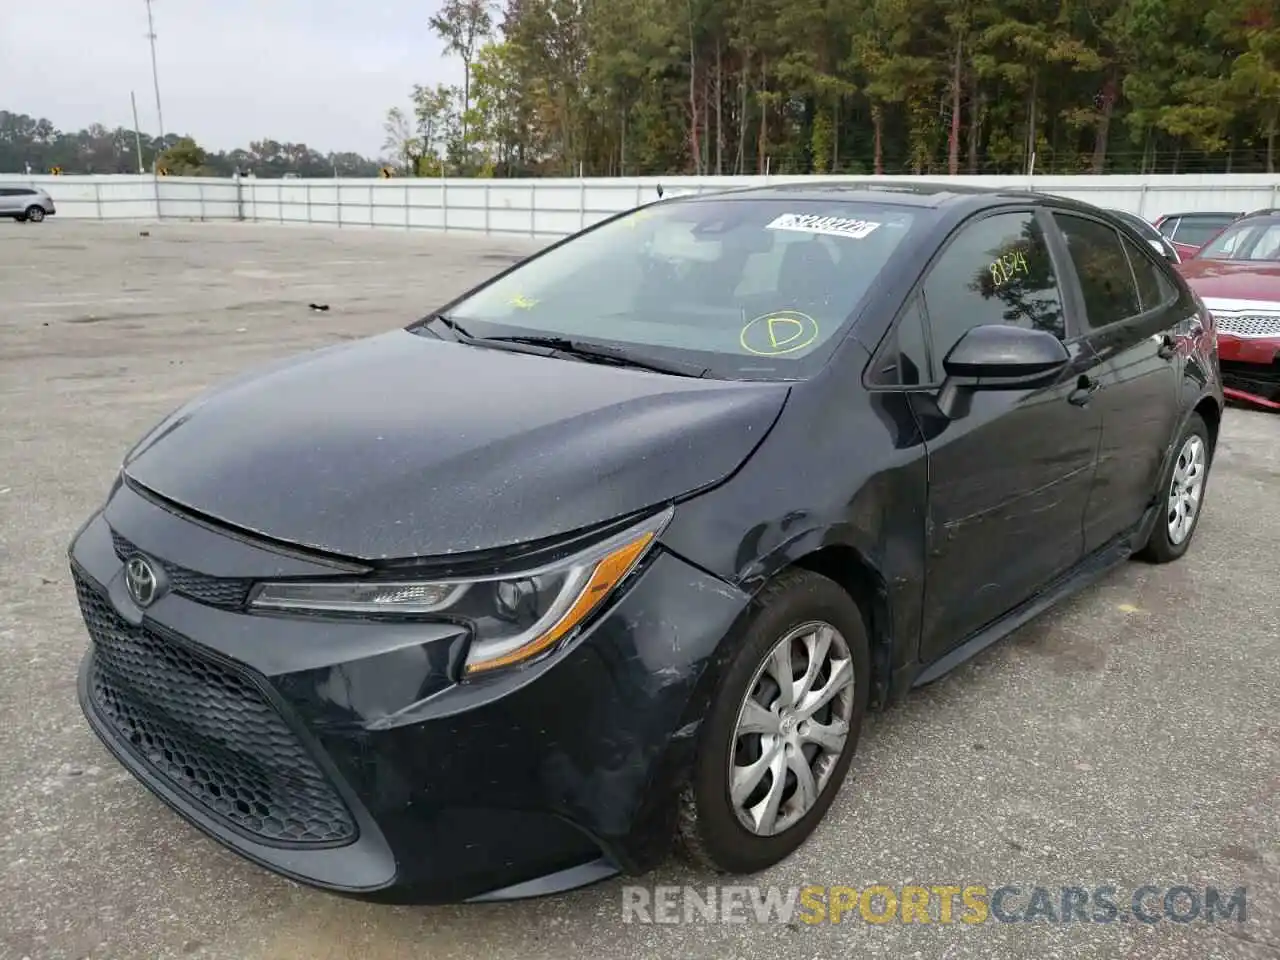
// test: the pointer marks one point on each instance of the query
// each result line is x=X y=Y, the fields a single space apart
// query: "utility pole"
x=155 y=73
x=137 y=131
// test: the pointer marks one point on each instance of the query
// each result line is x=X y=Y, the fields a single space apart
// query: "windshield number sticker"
x=1007 y=268
x=829 y=226
x=521 y=302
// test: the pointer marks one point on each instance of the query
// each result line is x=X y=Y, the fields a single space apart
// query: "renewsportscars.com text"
x=933 y=903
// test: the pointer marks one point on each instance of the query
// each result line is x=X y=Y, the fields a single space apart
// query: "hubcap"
x=1186 y=490
x=792 y=727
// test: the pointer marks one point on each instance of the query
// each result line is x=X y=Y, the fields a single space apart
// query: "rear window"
x=748 y=288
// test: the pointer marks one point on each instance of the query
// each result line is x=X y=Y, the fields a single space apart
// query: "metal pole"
x=137 y=131
x=155 y=73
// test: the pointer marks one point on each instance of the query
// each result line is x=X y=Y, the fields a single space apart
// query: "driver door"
x=1009 y=479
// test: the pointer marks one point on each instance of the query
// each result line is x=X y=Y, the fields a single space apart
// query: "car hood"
x=403 y=445
x=1233 y=279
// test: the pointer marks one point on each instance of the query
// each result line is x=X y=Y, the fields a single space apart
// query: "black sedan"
x=620 y=547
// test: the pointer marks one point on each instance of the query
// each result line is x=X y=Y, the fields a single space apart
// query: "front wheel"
x=35 y=214
x=782 y=729
x=1181 y=495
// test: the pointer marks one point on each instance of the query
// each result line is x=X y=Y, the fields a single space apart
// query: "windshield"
x=1257 y=240
x=746 y=288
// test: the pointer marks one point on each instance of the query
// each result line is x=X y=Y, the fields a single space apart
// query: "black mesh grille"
x=209 y=731
x=215 y=591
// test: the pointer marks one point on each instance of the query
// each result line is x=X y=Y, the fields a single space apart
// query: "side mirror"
x=998 y=357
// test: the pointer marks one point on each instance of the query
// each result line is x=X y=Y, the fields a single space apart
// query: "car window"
x=1169 y=227
x=1106 y=279
x=1197 y=231
x=904 y=358
x=1246 y=240
x=750 y=288
x=996 y=270
x=1154 y=288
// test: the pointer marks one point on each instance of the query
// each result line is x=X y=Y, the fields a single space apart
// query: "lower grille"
x=1256 y=378
x=208 y=731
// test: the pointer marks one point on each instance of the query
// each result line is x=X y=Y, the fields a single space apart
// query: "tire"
x=20 y=218
x=709 y=827
x=1163 y=546
x=35 y=214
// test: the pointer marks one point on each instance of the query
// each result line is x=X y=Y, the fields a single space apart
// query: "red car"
x=1237 y=275
x=1190 y=231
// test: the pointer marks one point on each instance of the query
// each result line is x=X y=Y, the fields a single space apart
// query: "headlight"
x=513 y=617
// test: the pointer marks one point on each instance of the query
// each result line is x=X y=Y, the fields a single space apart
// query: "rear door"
x=8 y=201
x=1131 y=312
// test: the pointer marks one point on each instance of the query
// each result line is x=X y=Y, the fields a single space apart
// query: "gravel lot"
x=1129 y=737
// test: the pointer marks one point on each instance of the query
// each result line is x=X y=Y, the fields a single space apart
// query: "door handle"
x=1168 y=347
x=1086 y=387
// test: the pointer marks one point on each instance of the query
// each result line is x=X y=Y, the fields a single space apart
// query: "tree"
x=184 y=159
x=1254 y=80
x=99 y=149
x=436 y=123
x=400 y=143
x=462 y=24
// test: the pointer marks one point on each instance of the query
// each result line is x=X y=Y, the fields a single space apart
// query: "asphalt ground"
x=1130 y=737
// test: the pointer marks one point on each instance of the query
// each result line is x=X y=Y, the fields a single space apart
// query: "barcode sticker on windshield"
x=831 y=226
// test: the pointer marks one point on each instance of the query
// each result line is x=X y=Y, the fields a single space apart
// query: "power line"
x=155 y=73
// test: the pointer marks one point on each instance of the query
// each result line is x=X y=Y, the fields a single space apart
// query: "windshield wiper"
x=600 y=353
x=450 y=323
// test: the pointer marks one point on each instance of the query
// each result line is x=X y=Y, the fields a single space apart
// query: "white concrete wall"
x=549 y=208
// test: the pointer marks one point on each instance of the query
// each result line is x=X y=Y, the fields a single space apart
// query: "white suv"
x=25 y=203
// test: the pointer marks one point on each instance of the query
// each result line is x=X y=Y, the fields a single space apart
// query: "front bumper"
x=1251 y=369
x=346 y=755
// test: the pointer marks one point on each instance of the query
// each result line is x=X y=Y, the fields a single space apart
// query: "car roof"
x=1203 y=213
x=914 y=194
x=1268 y=215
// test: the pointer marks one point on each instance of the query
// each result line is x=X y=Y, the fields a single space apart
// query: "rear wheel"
x=782 y=729
x=1181 y=495
x=34 y=213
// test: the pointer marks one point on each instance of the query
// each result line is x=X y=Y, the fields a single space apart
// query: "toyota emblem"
x=141 y=580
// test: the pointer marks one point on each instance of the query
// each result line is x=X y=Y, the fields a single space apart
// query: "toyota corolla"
x=619 y=547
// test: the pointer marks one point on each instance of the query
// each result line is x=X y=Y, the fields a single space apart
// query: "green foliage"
x=741 y=86
x=184 y=159
x=96 y=149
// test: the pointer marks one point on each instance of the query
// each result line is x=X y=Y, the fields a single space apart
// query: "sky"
x=321 y=72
